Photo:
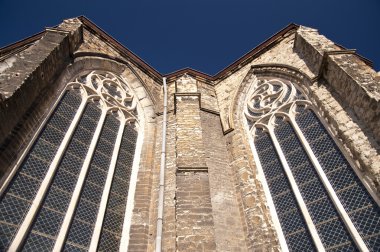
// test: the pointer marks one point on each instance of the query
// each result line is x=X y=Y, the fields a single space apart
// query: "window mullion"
x=346 y=219
x=272 y=208
x=78 y=188
x=297 y=193
x=124 y=241
x=30 y=216
x=107 y=187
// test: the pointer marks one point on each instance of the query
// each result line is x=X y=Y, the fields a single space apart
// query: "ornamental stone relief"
x=268 y=97
x=111 y=90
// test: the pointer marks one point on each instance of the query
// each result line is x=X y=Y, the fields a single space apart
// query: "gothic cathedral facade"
x=280 y=151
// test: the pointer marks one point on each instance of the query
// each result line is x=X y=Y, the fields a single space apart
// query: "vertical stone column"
x=195 y=226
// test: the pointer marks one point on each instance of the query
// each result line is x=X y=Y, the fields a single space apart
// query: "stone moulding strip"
x=210 y=111
x=192 y=169
x=184 y=95
x=225 y=132
x=54 y=29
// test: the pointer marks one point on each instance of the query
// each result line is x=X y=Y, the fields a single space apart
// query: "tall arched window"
x=76 y=174
x=318 y=199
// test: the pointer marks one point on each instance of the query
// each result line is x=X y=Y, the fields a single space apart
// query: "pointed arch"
x=279 y=113
x=104 y=125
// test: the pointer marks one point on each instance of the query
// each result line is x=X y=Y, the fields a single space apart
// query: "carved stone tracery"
x=111 y=90
x=268 y=98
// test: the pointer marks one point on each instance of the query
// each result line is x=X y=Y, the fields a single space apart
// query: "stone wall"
x=214 y=197
x=26 y=93
x=347 y=95
x=194 y=220
x=228 y=219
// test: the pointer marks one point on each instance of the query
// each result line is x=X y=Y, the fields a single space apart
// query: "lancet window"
x=317 y=197
x=76 y=173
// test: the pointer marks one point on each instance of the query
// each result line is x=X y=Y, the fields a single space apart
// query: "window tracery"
x=307 y=173
x=76 y=173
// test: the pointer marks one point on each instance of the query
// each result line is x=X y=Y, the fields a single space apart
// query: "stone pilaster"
x=195 y=225
x=28 y=75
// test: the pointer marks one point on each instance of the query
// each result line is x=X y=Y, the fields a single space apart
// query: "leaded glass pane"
x=292 y=222
x=17 y=199
x=49 y=220
x=114 y=216
x=362 y=209
x=326 y=219
x=83 y=223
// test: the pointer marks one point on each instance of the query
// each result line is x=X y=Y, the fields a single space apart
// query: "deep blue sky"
x=206 y=35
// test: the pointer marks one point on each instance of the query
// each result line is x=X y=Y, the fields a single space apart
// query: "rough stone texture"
x=352 y=134
x=25 y=91
x=208 y=97
x=357 y=84
x=228 y=219
x=186 y=84
x=33 y=69
x=253 y=206
x=310 y=45
x=348 y=97
x=194 y=222
x=170 y=231
x=92 y=43
x=189 y=144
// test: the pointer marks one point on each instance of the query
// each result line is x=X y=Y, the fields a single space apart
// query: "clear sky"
x=206 y=35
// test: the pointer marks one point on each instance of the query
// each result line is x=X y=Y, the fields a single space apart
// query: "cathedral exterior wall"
x=215 y=197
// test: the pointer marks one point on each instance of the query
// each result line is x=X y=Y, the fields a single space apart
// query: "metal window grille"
x=16 y=200
x=326 y=219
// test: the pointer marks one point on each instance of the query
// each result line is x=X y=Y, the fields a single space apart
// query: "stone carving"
x=111 y=89
x=266 y=97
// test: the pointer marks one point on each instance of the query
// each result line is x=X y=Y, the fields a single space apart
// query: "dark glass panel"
x=15 y=202
x=292 y=222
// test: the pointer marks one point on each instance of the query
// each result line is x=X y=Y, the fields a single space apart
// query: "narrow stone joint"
x=192 y=169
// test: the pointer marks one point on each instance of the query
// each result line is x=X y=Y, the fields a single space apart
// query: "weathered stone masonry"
x=214 y=195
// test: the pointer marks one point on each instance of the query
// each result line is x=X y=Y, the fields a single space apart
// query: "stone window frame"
x=108 y=106
x=300 y=81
